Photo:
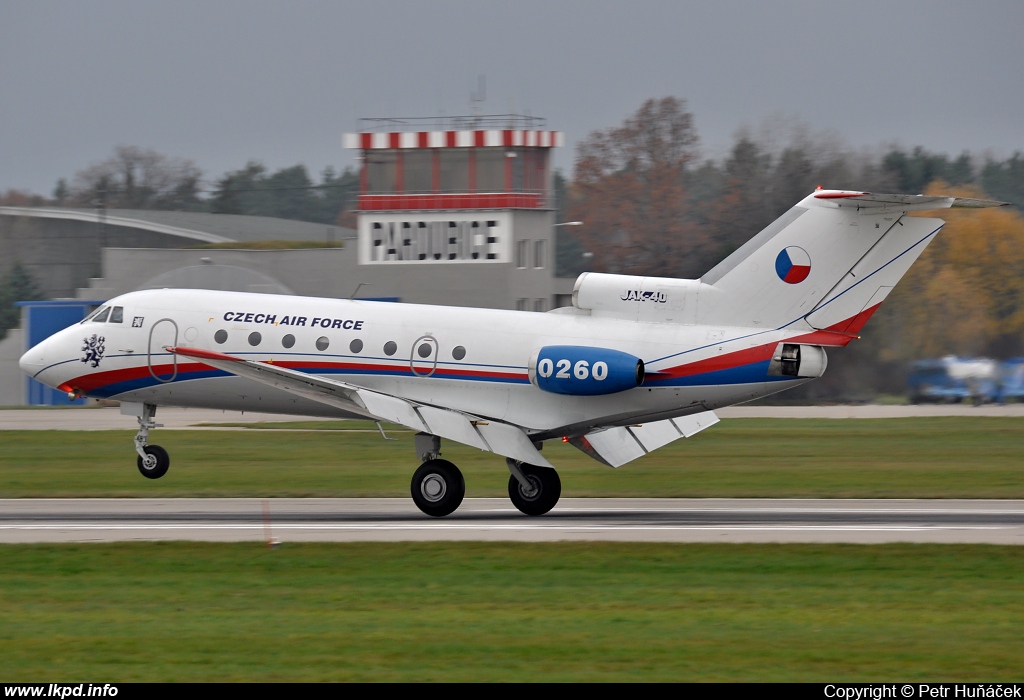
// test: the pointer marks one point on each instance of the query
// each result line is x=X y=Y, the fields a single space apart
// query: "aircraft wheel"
x=547 y=485
x=156 y=463
x=438 y=487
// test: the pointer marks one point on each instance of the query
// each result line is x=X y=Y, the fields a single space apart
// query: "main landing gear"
x=438 y=486
x=153 y=460
x=533 y=490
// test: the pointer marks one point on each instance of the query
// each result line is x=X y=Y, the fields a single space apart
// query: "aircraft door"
x=423 y=359
x=163 y=365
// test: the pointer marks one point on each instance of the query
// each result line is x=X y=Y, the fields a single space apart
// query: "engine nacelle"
x=798 y=361
x=578 y=370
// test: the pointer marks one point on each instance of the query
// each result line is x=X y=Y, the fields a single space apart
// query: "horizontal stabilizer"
x=617 y=446
x=500 y=438
x=904 y=202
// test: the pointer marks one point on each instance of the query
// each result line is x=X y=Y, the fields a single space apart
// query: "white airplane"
x=633 y=364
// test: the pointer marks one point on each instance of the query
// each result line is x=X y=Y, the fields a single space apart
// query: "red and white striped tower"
x=458 y=191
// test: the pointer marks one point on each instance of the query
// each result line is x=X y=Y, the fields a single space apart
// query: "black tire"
x=163 y=462
x=547 y=483
x=438 y=487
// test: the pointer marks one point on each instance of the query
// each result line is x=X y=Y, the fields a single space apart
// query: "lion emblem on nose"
x=94 y=348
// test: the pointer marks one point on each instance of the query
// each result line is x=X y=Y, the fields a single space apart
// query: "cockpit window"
x=95 y=314
x=101 y=315
x=116 y=314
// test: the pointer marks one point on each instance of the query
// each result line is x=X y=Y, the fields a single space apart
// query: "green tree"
x=1005 y=180
x=915 y=171
x=288 y=193
x=16 y=285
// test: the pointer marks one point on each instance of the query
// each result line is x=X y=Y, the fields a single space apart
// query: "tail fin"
x=830 y=260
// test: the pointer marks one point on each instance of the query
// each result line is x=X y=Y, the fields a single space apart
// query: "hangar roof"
x=196 y=226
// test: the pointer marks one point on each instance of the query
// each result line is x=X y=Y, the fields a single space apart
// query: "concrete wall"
x=62 y=255
x=334 y=272
x=12 y=381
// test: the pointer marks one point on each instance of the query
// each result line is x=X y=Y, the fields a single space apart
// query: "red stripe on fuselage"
x=728 y=360
x=90 y=382
x=838 y=335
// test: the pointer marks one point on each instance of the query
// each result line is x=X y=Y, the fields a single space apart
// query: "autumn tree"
x=965 y=295
x=629 y=189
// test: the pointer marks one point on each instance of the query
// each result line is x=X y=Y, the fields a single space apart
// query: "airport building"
x=456 y=212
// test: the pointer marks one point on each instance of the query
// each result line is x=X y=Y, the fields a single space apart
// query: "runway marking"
x=476 y=526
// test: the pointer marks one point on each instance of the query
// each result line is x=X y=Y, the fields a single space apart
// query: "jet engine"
x=799 y=361
x=584 y=371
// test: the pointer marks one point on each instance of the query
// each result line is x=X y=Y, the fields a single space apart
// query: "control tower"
x=462 y=201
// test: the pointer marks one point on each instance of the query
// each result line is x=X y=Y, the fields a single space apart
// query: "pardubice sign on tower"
x=449 y=191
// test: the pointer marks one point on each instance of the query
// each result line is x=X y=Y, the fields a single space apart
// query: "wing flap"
x=509 y=441
x=391 y=409
x=691 y=425
x=452 y=425
x=614 y=446
x=617 y=446
x=654 y=435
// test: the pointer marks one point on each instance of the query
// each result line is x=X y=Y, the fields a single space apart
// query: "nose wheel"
x=438 y=487
x=153 y=460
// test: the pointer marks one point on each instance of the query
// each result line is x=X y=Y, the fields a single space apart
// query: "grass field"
x=510 y=612
x=885 y=458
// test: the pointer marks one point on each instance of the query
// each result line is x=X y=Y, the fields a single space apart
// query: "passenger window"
x=117 y=314
x=255 y=338
x=288 y=341
x=322 y=342
x=101 y=317
x=356 y=345
x=458 y=352
x=390 y=348
x=221 y=336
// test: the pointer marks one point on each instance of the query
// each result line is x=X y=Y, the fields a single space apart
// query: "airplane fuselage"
x=470 y=360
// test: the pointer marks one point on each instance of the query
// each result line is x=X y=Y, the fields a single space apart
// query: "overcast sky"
x=225 y=81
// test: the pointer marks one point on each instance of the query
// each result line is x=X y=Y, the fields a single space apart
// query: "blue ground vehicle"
x=954 y=379
x=1011 y=377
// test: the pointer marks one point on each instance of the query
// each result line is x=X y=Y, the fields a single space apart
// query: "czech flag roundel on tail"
x=793 y=265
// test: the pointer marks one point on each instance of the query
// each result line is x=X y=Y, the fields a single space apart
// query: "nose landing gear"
x=153 y=460
x=156 y=462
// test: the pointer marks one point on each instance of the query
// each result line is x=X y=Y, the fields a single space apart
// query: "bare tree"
x=629 y=188
x=136 y=178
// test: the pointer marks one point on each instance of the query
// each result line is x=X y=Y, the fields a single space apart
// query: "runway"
x=491 y=519
x=110 y=418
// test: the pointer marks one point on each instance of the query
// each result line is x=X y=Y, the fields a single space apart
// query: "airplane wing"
x=617 y=446
x=492 y=436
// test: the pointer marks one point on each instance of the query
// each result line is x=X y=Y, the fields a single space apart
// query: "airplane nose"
x=33 y=360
